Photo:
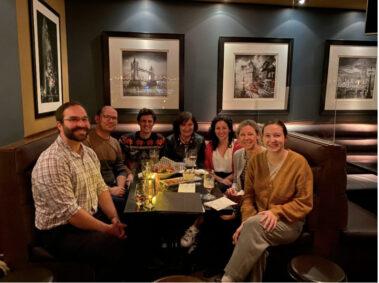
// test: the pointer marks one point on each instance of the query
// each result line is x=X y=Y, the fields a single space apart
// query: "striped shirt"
x=64 y=181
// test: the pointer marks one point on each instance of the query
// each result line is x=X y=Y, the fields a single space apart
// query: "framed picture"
x=46 y=58
x=143 y=70
x=254 y=74
x=350 y=76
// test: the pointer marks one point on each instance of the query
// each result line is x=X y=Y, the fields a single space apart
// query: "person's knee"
x=252 y=223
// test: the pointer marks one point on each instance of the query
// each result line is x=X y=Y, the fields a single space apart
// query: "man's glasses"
x=76 y=119
x=108 y=117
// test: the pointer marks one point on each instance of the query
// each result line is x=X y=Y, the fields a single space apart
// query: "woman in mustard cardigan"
x=278 y=196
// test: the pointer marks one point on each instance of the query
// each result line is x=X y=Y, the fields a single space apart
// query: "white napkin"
x=187 y=188
x=220 y=203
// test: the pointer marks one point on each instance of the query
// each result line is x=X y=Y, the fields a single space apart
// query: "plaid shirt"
x=64 y=181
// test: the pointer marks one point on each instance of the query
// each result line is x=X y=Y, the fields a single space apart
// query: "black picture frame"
x=338 y=94
x=278 y=50
x=46 y=58
x=130 y=80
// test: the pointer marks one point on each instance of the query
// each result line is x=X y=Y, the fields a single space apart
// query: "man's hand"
x=268 y=220
x=116 y=229
x=117 y=191
x=129 y=179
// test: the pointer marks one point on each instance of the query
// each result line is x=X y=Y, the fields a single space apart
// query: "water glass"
x=139 y=195
x=190 y=158
x=154 y=155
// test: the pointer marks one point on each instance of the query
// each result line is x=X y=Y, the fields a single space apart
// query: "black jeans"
x=106 y=253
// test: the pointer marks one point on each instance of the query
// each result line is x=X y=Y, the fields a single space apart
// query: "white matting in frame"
x=279 y=51
x=364 y=89
x=118 y=99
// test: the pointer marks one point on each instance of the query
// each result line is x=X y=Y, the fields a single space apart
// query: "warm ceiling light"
x=301 y=2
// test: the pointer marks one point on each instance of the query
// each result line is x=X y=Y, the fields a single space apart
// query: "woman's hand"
x=268 y=220
x=226 y=182
x=231 y=192
x=236 y=234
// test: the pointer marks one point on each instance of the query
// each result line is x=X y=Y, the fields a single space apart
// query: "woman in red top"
x=219 y=151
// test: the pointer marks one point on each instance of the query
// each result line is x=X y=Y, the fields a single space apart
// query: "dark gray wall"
x=203 y=24
x=11 y=120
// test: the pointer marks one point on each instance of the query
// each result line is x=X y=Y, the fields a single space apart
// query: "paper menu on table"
x=187 y=188
x=220 y=203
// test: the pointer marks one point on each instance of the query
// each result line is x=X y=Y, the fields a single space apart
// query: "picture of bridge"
x=144 y=73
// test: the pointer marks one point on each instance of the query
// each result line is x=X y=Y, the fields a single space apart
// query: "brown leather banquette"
x=325 y=222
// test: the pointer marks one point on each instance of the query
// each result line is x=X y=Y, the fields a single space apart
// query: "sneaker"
x=192 y=248
x=189 y=237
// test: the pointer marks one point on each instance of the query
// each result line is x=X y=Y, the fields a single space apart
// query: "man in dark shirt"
x=138 y=146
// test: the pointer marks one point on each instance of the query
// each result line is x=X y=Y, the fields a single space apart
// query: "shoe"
x=192 y=248
x=189 y=237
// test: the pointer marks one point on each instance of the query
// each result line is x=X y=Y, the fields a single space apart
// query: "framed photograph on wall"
x=254 y=74
x=143 y=70
x=46 y=58
x=350 y=76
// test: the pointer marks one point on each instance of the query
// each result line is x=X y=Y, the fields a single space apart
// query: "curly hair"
x=145 y=112
x=183 y=117
x=212 y=130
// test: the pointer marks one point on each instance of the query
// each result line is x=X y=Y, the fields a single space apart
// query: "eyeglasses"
x=76 y=119
x=108 y=117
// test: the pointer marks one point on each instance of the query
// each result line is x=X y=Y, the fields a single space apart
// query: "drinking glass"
x=154 y=155
x=209 y=184
x=139 y=195
x=147 y=167
x=190 y=158
x=149 y=189
x=189 y=174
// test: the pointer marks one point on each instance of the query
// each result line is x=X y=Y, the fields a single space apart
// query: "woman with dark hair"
x=218 y=157
x=185 y=139
x=219 y=151
x=278 y=196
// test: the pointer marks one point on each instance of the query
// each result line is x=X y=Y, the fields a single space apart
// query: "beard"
x=73 y=135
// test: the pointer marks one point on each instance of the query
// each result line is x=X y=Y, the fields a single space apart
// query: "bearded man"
x=68 y=189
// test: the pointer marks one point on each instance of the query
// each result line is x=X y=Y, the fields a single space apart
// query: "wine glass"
x=209 y=184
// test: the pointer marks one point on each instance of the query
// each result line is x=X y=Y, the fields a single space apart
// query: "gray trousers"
x=249 y=255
